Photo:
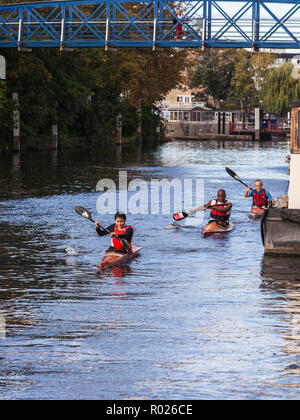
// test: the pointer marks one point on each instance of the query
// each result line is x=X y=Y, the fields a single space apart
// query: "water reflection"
x=187 y=319
x=282 y=277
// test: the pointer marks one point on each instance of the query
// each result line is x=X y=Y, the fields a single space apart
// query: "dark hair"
x=120 y=214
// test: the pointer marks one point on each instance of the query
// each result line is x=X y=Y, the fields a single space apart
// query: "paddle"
x=182 y=215
x=87 y=215
x=236 y=177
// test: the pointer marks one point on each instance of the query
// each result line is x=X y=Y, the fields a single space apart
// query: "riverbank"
x=205 y=137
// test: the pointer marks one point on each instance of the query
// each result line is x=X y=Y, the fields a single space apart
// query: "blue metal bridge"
x=151 y=23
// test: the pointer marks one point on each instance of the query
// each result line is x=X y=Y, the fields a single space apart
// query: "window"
x=179 y=99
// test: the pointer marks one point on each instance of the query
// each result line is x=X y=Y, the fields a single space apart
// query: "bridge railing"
x=151 y=23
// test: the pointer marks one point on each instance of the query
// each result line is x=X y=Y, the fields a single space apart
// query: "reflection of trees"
x=282 y=276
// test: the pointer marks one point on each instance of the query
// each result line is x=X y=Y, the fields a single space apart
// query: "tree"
x=213 y=73
x=260 y=62
x=242 y=82
x=279 y=88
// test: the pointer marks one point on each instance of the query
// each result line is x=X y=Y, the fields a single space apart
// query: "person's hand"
x=248 y=189
x=97 y=224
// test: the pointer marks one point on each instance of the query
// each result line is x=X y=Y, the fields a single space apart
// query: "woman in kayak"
x=222 y=210
x=261 y=197
x=121 y=234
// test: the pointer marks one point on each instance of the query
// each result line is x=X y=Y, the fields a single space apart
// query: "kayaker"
x=119 y=230
x=261 y=197
x=222 y=210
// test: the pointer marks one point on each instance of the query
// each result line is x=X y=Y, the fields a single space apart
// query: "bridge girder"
x=151 y=23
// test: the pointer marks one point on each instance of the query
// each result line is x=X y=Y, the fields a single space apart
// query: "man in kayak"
x=121 y=234
x=221 y=209
x=261 y=197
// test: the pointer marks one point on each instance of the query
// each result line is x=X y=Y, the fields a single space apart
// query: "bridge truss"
x=151 y=23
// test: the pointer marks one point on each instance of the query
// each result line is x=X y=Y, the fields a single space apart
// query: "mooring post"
x=139 y=129
x=257 y=123
x=16 y=123
x=219 y=122
x=119 y=130
x=54 y=142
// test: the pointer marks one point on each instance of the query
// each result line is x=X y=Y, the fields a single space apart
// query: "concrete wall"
x=190 y=128
x=280 y=236
x=294 y=189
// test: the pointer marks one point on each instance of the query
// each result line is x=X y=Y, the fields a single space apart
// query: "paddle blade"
x=180 y=216
x=236 y=177
x=233 y=174
x=83 y=212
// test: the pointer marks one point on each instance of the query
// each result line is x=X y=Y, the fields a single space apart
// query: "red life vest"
x=216 y=214
x=260 y=199
x=115 y=242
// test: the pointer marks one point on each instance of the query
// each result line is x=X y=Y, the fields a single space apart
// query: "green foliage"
x=233 y=75
x=279 y=89
x=242 y=82
x=83 y=91
x=214 y=74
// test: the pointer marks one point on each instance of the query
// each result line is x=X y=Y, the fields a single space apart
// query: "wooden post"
x=158 y=131
x=2 y=68
x=119 y=130
x=54 y=143
x=257 y=126
x=139 y=129
x=219 y=123
x=16 y=123
x=232 y=121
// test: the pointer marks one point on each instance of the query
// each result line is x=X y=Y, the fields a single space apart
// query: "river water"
x=190 y=318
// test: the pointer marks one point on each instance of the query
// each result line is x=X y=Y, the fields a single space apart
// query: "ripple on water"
x=190 y=318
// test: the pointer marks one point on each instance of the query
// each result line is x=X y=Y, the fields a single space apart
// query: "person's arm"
x=101 y=231
x=225 y=209
x=269 y=197
x=127 y=235
x=208 y=204
x=249 y=192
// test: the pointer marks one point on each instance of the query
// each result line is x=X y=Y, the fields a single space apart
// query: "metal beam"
x=151 y=23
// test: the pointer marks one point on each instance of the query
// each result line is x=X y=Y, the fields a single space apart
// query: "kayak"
x=256 y=213
x=113 y=258
x=214 y=227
